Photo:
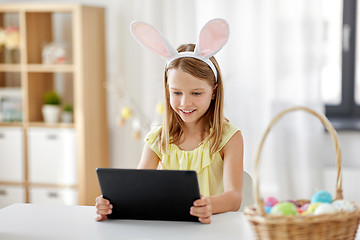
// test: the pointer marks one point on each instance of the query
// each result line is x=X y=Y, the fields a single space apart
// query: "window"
x=340 y=78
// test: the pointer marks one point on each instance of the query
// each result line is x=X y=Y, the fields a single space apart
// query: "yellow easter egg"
x=312 y=207
x=125 y=112
x=160 y=108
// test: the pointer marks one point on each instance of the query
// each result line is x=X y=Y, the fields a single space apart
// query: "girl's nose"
x=185 y=100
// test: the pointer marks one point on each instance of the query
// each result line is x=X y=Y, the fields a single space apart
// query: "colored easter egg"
x=325 y=208
x=312 y=207
x=299 y=210
x=321 y=196
x=284 y=209
x=305 y=207
x=126 y=112
x=270 y=201
x=344 y=206
x=267 y=209
x=305 y=213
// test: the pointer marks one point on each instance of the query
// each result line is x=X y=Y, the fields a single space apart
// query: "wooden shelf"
x=11 y=124
x=12 y=183
x=80 y=82
x=10 y=67
x=47 y=185
x=50 y=68
x=51 y=125
x=37 y=67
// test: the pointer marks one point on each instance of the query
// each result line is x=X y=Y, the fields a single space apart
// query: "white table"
x=46 y=222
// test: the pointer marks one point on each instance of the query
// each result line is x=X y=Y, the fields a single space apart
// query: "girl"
x=195 y=135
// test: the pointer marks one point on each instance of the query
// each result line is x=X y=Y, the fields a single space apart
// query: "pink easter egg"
x=304 y=207
x=270 y=201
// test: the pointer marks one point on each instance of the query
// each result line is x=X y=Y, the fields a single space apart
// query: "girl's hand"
x=203 y=209
x=103 y=208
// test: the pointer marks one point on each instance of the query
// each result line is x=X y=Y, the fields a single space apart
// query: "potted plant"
x=51 y=108
x=67 y=113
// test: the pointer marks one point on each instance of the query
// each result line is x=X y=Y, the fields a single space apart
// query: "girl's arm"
x=149 y=159
x=231 y=199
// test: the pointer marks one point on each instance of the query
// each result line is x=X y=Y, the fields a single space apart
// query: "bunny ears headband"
x=213 y=36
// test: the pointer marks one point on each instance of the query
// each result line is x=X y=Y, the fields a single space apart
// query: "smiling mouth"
x=187 y=112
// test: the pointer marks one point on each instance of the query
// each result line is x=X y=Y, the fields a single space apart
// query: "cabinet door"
x=11 y=194
x=52 y=156
x=11 y=154
x=62 y=196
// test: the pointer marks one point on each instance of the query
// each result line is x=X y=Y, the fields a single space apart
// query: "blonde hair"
x=213 y=118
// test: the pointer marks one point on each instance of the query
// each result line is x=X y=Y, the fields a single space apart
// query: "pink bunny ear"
x=151 y=38
x=213 y=36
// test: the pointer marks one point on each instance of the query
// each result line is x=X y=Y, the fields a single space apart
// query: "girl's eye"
x=176 y=93
x=196 y=93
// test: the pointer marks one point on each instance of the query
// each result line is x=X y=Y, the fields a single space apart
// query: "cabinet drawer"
x=11 y=194
x=11 y=154
x=52 y=156
x=56 y=196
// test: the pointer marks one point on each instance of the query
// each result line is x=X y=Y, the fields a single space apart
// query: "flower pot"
x=51 y=113
x=66 y=117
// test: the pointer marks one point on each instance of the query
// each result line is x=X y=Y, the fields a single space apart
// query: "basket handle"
x=328 y=126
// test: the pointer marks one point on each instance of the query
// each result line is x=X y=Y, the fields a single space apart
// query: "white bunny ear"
x=151 y=38
x=213 y=36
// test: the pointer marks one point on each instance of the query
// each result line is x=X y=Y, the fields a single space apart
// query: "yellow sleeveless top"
x=209 y=169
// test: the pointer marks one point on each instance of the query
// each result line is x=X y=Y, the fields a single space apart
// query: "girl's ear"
x=213 y=36
x=152 y=39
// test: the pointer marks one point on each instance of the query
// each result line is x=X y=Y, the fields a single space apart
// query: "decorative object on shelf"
x=51 y=110
x=10 y=105
x=10 y=42
x=54 y=53
x=67 y=113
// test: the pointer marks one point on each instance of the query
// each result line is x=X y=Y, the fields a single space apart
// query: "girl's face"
x=190 y=97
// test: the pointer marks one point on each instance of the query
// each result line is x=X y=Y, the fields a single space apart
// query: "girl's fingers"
x=205 y=220
x=102 y=200
x=202 y=202
x=104 y=211
x=101 y=218
x=204 y=212
x=202 y=207
x=103 y=206
x=200 y=211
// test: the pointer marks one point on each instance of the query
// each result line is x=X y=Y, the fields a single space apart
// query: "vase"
x=66 y=117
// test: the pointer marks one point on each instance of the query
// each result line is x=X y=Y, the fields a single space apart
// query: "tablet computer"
x=149 y=194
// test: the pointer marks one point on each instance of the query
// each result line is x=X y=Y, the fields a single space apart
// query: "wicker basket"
x=339 y=226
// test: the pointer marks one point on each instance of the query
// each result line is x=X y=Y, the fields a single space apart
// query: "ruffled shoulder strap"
x=152 y=140
x=228 y=131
